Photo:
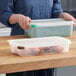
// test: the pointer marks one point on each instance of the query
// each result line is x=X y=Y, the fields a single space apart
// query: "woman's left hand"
x=68 y=17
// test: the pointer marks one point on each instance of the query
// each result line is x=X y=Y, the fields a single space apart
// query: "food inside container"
x=38 y=46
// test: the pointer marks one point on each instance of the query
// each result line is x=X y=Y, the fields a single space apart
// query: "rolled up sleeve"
x=57 y=9
x=6 y=10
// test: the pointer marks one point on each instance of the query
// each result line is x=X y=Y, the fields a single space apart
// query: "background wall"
x=69 y=6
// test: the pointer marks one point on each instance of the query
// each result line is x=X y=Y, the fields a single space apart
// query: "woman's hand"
x=68 y=17
x=22 y=20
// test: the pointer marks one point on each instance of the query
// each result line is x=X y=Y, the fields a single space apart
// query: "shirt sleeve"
x=56 y=9
x=6 y=10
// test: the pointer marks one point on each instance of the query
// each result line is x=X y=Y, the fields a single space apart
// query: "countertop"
x=10 y=62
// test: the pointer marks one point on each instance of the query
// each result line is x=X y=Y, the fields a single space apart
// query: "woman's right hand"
x=23 y=21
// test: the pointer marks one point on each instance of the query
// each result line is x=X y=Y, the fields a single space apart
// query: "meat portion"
x=22 y=51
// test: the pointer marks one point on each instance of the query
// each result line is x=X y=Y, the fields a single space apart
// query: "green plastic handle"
x=34 y=26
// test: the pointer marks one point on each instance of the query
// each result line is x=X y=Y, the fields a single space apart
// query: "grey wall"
x=69 y=5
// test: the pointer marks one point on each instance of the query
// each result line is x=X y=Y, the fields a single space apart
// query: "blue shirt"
x=35 y=9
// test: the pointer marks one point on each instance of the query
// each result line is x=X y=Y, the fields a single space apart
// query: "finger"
x=74 y=23
x=69 y=18
x=29 y=19
x=23 y=25
x=27 y=23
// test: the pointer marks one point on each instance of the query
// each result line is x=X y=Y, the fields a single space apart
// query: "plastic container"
x=2 y=25
x=37 y=46
x=50 y=27
x=5 y=32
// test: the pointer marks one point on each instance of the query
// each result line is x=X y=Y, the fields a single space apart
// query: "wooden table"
x=12 y=63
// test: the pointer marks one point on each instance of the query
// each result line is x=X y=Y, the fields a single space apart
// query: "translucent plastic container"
x=2 y=25
x=37 y=46
x=50 y=27
x=5 y=32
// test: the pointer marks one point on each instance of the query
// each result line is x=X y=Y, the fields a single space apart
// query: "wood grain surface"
x=10 y=62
